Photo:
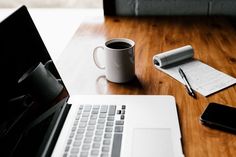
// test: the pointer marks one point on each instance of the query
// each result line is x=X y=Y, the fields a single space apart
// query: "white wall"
x=52 y=3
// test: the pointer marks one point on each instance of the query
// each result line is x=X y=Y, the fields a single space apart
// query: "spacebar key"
x=116 y=145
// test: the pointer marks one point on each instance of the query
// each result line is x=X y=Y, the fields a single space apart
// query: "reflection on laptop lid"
x=21 y=48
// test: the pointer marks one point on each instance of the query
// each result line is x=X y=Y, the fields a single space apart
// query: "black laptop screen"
x=21 y=48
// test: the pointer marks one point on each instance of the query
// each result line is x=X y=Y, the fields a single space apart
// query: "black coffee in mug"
x=119 y=45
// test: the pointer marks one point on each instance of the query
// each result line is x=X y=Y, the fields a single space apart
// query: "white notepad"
x=203 y=78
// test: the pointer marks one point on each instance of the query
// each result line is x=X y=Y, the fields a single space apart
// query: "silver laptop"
x=120 y=125
x=80 y=125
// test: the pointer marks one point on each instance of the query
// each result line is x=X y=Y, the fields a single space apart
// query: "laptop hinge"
x=53 y=131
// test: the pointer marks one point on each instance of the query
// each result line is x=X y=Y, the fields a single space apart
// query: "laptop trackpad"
x=152 y=142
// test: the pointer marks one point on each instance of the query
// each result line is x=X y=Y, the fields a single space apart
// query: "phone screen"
x=221 y=116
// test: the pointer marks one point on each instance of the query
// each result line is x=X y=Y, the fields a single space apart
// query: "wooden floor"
x=214 y=43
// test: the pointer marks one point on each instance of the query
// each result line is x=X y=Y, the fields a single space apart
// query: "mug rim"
x=126 y=40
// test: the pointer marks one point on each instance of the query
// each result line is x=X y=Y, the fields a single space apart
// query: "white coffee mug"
x=119 y=59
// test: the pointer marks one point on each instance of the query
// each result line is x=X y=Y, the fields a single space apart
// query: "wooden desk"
x=214 y=42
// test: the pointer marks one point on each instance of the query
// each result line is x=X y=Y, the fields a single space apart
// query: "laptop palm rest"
x=152 y=142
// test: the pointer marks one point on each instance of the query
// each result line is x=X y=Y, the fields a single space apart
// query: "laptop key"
x=119 y=122
x=87 y=108
x=77 y=117
x=107 y=135
x=82 y=125
x=104 y=155
x=101 y=121
x=108 y=130
x=85 y=114
x=80 y=131
x=110 y=118
x=88 y=140
x=89 y=134
x=95 y=111
x=85 y=147
x=67 y=148
x=65 y=155
x=95 y=152
x=107 y=142
x=102 y=115
x=116 y=146
x=105 y=149
x=91 y=127
x=96 y=145
x=97 y=139
x=100 y=127
x=69 y=141
x=78 y=137
x=104 y=109
x=118 y=112
x=112 y=110
x=92 y=122
x=71 y=135
x=84 y=154
x=96 y=106
x=77 y=143
x=119 y=129
x=76 y=122
x=84 y=119
x=94 y=116
x=123 y=112
x=99 y=133
x=109 y=123
x=74 y=150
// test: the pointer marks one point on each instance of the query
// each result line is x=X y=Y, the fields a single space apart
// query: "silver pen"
x=187 y=85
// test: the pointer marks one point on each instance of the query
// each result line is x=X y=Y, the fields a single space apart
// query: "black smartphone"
x=219 y=116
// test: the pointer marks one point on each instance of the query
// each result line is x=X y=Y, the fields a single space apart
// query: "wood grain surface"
x=214 y=43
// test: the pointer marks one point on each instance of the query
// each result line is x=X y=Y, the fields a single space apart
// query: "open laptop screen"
x=21 y=48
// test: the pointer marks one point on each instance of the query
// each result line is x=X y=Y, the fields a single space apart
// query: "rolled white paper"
x=173 y=56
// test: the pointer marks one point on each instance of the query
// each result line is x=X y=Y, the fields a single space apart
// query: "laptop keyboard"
x=97 y=131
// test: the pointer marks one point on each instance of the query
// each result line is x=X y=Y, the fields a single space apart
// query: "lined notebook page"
x=203 y=78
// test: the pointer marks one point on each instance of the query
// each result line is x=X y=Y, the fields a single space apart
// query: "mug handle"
x=95 y=57
x=52 y=69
